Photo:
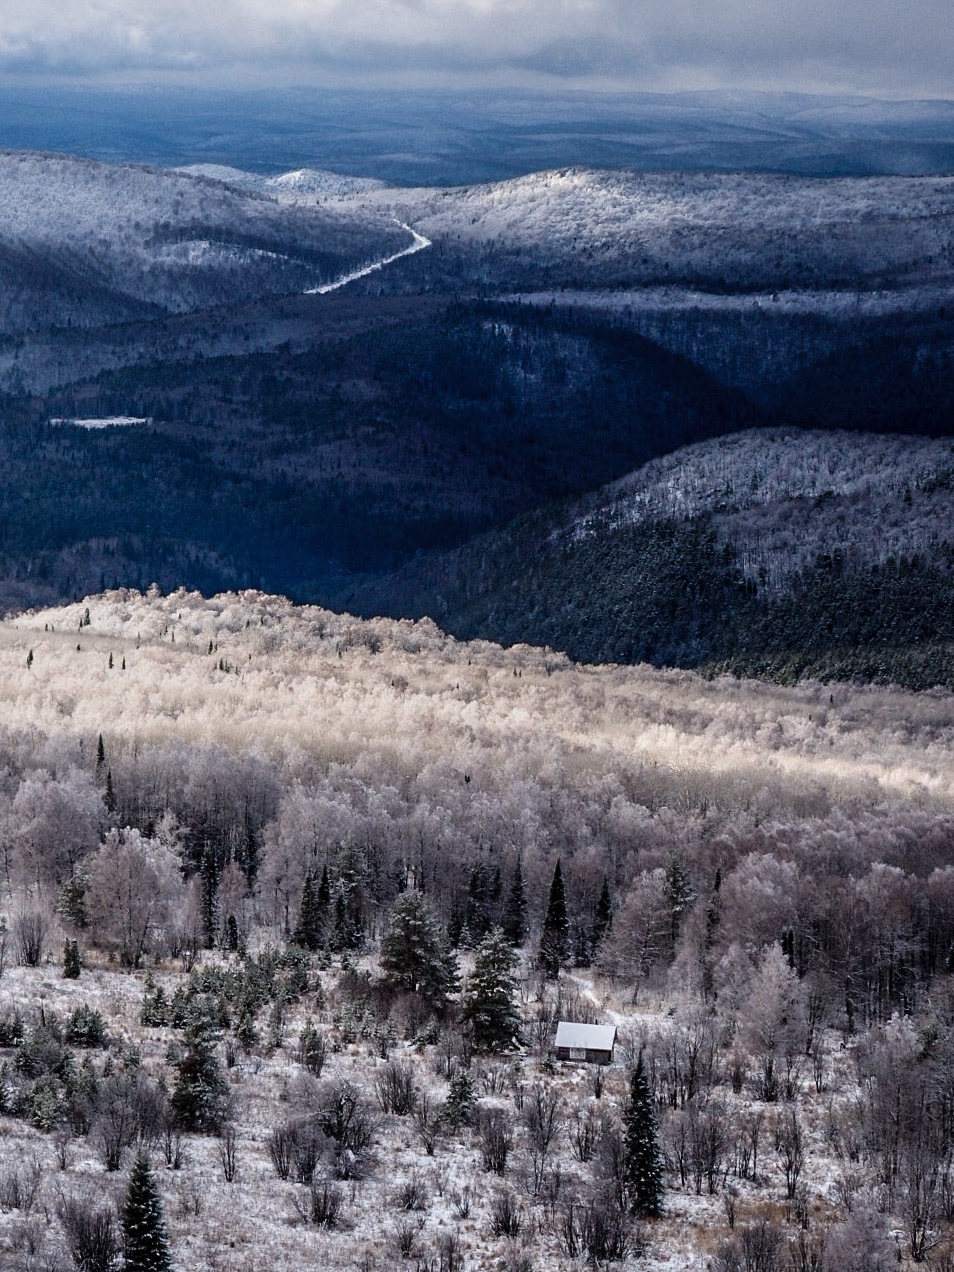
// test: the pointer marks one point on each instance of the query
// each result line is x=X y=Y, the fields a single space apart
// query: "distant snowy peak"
x=313 y=182
x=332 y=185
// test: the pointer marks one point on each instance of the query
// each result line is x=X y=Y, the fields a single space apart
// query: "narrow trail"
x=418 y=245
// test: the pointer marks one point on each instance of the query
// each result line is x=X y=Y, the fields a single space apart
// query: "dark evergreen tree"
x=71 y=903
x=324 y=891
x=555 y=938
x=678 y=893
x=309 y=929
x=200 y=1098
x=154 y=1011
x=245 y=1031
x=414 y=955
x=603 y=918
x=643 y=1161
x=231 y=934
x=209 y=873
x=72 y=966
x=459 y=1108
x=489 y=1007
x=713 y=916
x=100 y=754
x=109 y=795
x=477 y=905
x=514 y=922
x=145 y=1243
x=352 y=883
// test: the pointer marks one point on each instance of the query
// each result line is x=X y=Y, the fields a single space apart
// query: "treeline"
x=172 y=847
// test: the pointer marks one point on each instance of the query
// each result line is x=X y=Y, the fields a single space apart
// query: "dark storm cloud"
x=865 y=45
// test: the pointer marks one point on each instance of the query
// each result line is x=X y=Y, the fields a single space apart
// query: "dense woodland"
x=291 y=898
x=773 y=553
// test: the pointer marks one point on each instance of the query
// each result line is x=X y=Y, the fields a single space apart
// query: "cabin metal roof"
x=585 y=1037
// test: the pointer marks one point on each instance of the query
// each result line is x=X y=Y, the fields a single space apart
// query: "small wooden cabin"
x=590 y=1043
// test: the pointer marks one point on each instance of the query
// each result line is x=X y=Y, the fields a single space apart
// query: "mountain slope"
x=86 y=243
x=776 y=553
x=295 y=471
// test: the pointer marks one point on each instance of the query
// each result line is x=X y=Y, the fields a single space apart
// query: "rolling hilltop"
x=87 y=244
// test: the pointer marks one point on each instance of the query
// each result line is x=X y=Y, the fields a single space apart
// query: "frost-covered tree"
x=489 y=1007
x=145 y=1242
x=643 y=1159
x=52 y=824
x=641 y=931
x=414 y=956
x=773 y=1019
x=135 y=887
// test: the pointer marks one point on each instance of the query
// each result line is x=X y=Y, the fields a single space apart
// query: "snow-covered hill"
x=774 y=552
x=781 y=498
x=254 y=672
x=302 y=183
x=86 y=243
x=722 y=230
x=737 y=231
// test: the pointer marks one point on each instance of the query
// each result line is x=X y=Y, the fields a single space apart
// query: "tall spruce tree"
x=200 y=1098
x=309 y=929
x=643 y=1160
x=679 y=894
x=209 y=874
x=477 y=906
x=489 y=1007
x=324 y=891
x=603 y=918
x=145 y=1243
x=72 y=964
x=555 y=938
x=109 y=794
x=414 y=955
x=514 y=922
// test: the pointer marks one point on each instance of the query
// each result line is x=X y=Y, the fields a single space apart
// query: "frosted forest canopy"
x=247 y=744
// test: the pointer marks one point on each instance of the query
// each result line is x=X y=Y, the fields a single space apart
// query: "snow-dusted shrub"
x=395 y=1089
x=90 y=1233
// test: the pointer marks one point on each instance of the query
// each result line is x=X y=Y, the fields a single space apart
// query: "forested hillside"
x=414 y=427
x=294 y=903
x=85 y=244
x=549 y=335
x=776 y=553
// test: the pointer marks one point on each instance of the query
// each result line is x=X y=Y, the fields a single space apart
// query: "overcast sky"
x=891 y=47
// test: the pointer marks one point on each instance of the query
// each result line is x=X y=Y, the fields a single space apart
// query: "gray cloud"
x=845 y=45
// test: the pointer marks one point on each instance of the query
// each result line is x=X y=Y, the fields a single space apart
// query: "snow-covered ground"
x=418 y=244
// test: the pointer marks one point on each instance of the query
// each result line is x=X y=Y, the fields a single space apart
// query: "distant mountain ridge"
x=85 y=244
